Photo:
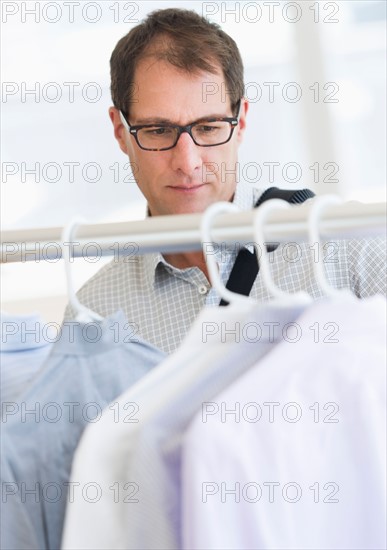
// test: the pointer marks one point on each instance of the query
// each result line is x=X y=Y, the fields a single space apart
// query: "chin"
x=194 y=208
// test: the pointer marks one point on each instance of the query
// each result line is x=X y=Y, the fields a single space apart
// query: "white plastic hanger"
x=84 y=314
x=317 y=207
x=280 y=297
x=205 y=229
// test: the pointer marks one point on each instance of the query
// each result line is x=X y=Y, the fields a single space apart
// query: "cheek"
x=227 y=164
x=222 y=156
x=131 y=152
x=150 y=167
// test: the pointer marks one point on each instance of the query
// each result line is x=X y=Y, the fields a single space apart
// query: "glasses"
x=205 y=133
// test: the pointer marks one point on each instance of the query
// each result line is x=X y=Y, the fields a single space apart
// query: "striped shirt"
x=161 y=301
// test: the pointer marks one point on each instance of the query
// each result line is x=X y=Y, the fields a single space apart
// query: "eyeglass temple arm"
x=124 y=122
x=239 y=109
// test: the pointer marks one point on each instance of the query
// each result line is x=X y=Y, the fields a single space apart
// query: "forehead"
x=162 y=90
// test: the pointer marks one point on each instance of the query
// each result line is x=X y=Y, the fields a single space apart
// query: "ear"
x=120 y=132
x=242 y=119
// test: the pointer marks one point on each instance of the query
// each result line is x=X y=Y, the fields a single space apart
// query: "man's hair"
x=185 y=40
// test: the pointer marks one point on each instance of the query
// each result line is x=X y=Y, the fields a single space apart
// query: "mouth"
x=186 y=188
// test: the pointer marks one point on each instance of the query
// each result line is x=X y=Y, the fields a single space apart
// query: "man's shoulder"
x=101 y=292
x=117 y=267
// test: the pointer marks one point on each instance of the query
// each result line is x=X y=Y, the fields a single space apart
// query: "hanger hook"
x=205 y=231
x=83 y=313
x=259 y=219
x=317 y=207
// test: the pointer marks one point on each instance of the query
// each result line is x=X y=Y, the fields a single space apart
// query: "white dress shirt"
x=299 y=459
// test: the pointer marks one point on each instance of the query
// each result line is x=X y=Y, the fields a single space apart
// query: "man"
x=171 y=76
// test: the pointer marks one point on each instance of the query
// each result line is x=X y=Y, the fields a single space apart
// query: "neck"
x=192 y=259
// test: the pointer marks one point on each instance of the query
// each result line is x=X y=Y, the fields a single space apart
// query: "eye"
x=157 y=131
x=208 y=128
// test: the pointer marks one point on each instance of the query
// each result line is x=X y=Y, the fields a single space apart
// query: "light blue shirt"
x=25 y=345
x=89 y=367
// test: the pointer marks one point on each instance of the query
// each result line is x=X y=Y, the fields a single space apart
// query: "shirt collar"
x=244 y=197
x=150 y=263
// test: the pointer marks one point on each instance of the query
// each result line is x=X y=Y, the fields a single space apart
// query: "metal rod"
x=180 y=233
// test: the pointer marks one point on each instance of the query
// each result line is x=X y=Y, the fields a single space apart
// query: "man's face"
x=187 y=178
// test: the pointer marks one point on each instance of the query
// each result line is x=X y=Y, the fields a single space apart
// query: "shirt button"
x=203 y=289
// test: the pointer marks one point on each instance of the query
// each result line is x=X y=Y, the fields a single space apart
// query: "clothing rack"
x=179 y=233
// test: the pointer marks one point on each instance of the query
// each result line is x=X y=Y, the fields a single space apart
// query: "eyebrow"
x=167 y=121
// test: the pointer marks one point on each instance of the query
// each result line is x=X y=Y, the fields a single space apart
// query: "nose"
x=186 y=156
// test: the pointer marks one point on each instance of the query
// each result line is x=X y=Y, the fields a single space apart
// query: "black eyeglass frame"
x=234 y=121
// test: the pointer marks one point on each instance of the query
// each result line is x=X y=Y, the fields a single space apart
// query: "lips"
x=186 y=188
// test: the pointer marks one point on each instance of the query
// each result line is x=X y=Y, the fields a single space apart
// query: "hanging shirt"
x=223 y=343
x=89 y=366
x=26 y=342
x=164 y=301
x=301 y=460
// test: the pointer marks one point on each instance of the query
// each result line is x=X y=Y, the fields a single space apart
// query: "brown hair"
x=184 y=39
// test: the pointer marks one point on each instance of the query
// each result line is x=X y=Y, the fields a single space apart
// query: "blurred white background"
x=315 y=76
